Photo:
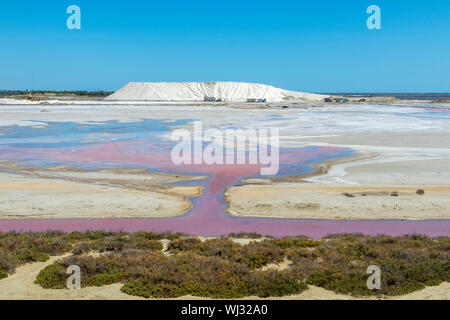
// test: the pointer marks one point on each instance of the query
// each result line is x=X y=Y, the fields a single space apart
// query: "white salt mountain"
x=198 y=91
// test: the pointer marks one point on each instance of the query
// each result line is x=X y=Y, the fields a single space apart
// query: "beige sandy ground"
x=305 y=200
x=367 y=192
x=65 y=192
x=413 y=172
x=20 y=286
x=364 y=186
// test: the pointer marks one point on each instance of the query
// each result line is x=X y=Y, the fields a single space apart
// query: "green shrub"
x=52 y=277
x=353 y=282
x=245 y=235
x=148 y=289
x=258 y=254
x=295 y=242
x=187 y=244
x=276 y=284
x=221 y=268
x=407 y=263
x=102 y=279
x=154 y=245
x=3 y=273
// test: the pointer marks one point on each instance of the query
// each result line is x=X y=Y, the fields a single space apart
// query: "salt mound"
x=197 y=91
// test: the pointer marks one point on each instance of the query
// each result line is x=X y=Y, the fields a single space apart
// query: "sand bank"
x=414 y=172
x=67 y=192
x=315 y=201
x=359 y=187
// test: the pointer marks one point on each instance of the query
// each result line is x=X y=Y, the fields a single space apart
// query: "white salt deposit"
x=197 y=91
x=16 y=101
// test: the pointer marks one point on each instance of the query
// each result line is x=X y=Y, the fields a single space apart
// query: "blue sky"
x=315 y=46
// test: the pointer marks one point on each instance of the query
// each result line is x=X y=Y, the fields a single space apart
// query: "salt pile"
x=197 y=91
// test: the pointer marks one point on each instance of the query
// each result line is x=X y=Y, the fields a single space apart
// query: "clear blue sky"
x=316 y=46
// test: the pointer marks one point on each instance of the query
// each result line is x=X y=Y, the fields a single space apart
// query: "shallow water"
x=113 y=144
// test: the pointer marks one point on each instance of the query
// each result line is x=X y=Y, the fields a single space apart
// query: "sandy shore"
x=360 y=187
x=414 y=172
x=379 y=182
x=317 y=201
x=67 y=192
x=21 y=286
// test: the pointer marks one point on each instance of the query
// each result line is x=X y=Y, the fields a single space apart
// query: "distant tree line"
x=99 y=93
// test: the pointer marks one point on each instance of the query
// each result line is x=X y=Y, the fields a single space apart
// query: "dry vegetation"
x=222 y=268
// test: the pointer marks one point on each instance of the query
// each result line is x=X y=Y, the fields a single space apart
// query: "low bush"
x=3 y=273
x=254 y=255
x=295 y=242
x=245 y=235
x=276 y=284
x=52 y=277
x=19 y=248
x=258 y=254
x=407 y=263
x=211 y=277
x=221 y=268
